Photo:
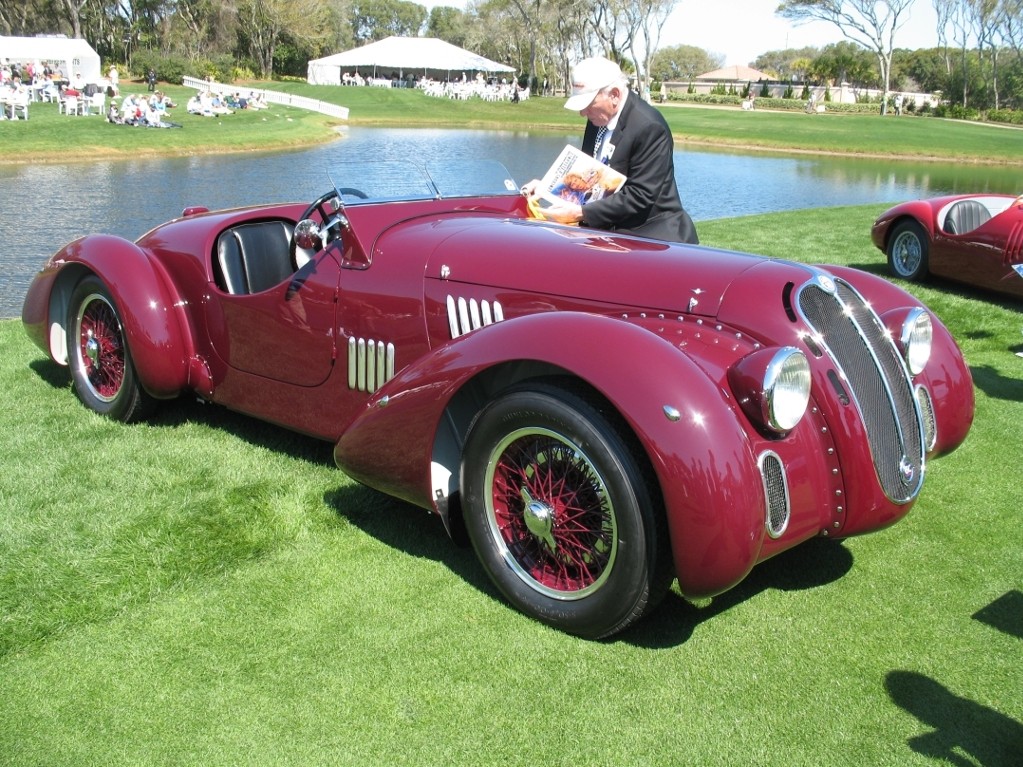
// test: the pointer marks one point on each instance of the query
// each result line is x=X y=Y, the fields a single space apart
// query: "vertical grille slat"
x=880 y=386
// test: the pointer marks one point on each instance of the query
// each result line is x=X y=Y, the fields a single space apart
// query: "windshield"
x=405 y=180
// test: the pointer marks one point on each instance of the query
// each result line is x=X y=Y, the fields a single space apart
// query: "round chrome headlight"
x=773 y=387
x=787 y=388
x=915 y=340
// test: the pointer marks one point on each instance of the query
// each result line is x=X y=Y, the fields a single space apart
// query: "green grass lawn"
x=203 y=589
x=48 y=135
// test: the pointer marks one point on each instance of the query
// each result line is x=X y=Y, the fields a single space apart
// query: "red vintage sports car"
x=973 y=239
x=600 y=413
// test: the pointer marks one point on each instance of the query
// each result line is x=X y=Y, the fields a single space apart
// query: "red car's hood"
x=617 y=270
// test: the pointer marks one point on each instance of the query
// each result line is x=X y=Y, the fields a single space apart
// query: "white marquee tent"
x=404 y=56
x=70 y=55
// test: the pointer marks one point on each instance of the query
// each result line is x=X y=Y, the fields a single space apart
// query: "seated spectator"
x=218 y=105
x=159 y=104
x=162 y=102
x=130 y=112
x=198 y=106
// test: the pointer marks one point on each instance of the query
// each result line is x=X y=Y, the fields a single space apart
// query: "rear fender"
x=920 y=211
x=687 y=426
x=147 y=303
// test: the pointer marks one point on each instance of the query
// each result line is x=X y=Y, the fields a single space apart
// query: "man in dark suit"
x=633 y=138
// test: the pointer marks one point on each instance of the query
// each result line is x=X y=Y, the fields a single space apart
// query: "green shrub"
x=1007 y=116
x=168 y=68
x=957 y=112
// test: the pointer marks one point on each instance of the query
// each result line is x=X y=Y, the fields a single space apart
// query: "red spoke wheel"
x=561 y=512
x=98 y=355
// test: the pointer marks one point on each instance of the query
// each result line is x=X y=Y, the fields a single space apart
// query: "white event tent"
x=70 y=55
x=404 y=56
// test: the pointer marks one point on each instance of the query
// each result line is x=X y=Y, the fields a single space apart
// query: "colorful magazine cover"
x=579 y=178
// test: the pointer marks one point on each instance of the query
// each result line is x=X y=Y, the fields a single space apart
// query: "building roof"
x=735 y=72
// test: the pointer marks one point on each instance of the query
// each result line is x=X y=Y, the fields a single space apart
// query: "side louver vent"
x=370 y=364
x=466 y=316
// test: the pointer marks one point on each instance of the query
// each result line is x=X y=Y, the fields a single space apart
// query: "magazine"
x=579 y=178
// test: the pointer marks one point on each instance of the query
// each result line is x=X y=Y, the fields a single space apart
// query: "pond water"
x=46 y=206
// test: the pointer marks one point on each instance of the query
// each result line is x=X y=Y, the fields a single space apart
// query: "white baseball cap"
x=589 y=77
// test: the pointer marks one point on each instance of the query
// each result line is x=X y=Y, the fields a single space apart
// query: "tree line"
x=977 y=63
x=278 y=37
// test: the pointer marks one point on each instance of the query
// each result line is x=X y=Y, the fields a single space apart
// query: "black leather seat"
x=965 y=216
x=252 y=258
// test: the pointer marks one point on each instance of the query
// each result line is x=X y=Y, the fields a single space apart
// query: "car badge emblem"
x=826 y=283
x=907 y=470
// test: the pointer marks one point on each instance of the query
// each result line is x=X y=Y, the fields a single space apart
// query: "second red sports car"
x=974 y=239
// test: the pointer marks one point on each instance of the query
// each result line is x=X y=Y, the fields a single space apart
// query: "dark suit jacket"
x=648 y=204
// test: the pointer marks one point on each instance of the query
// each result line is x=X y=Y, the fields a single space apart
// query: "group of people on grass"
x=212 y=103
x=142 y=111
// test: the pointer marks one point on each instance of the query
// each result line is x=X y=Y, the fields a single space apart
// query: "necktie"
x=599 y=140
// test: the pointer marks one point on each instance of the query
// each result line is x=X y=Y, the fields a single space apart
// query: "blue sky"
x=741 y=30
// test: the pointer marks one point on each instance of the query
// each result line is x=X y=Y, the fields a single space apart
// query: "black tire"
x=560 y=510
x=908 y=251
x=102 y=370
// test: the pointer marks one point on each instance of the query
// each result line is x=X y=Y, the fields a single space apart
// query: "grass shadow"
x=810 y=565
x=995 y=385
x=414 y=532
x=49 y=372
x=410 y=530
x=189 y=410
x=958 y=725
x=1004 y=614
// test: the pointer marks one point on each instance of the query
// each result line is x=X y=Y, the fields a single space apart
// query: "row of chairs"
x=82 y=105
x=12 y=105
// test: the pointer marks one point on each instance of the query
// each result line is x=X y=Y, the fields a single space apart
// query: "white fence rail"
x=271 y=97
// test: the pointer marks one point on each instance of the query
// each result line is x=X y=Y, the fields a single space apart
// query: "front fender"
x=143 y=294
x=687 y=425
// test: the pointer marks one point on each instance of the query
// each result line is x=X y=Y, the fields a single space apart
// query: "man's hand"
x=530 y=188
x=564 y=213
x=560 y=212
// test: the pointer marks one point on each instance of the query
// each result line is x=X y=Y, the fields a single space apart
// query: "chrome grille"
x=776 y=492
x=877 y=379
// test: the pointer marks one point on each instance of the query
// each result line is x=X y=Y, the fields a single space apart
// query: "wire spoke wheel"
x=100 y=344
x=562 y=510
x=98 y=355
x=551 y=514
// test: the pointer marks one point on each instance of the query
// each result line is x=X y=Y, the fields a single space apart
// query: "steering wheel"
x=319 y=205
